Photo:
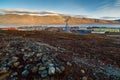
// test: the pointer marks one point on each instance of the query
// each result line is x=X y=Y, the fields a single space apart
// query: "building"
x=106 y=30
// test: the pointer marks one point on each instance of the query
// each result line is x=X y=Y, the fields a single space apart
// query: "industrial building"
x=106 y=29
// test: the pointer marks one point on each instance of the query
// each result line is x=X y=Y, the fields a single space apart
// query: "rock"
x=39 y=55
x=16 y=64
x=44 y=58
x=26 y=58
x=82 y=71
x=51 y=70
x=42 y=68
x=14 y=74
x=69 y=64
x=10 y=64
x=31 y=59
x=4 y=70
x=34 y=69
x=14 y=59
x=28 y=67
x=22 y=50
x=20 y=66
x=62 y=68
x=14 y=78
x=61 y=49
x=13 y=44
x=27 y=49
x=84 y=78
x=0 y=54
x=58 y=70
x=25 y=73
x=50 y=64
x=43 y=73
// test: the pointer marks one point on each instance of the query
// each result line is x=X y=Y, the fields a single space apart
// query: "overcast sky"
x=105 y=9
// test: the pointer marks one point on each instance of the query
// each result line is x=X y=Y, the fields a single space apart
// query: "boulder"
x=25 y=73
x=43 y=73
x=51 y=70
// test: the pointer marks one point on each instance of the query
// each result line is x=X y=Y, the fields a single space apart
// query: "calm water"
x=63 y=25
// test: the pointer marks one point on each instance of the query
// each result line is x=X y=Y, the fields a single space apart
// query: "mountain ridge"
x=53 y=19
x=118 y=20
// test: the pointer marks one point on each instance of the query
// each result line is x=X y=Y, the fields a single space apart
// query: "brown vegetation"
x=93 y=47
x=82 y=44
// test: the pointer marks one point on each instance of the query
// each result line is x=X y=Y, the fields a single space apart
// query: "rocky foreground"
x=58 y=56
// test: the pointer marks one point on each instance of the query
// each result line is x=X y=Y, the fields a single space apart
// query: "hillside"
x=28 y=19
x=118 y=20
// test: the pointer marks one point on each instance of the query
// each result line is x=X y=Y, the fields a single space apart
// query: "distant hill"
x=118 y=20
x=29 y=19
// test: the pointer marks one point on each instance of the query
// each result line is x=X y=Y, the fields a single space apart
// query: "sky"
x=103 y=9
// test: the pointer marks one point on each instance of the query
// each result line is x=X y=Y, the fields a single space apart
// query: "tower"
x=67 y=28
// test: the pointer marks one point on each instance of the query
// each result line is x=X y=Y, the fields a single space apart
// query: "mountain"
x=118 y=20
x=53 y=19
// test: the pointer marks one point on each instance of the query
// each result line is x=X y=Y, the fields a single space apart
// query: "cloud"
x=37 y=13
x=117 y=3
x=109 y=10
x=80 y=16
x=29 y=12
x=110 y=18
